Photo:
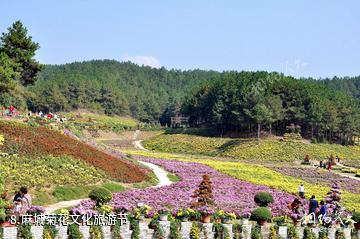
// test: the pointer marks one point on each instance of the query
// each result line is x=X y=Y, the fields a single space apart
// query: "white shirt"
x=301 y=189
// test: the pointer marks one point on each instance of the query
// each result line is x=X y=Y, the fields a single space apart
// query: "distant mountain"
x=124 y=88
x=113 y=87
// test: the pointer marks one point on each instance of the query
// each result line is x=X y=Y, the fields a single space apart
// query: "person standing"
x=26 y=201
x=323 y=209
x=313 y=205
x=302 y=191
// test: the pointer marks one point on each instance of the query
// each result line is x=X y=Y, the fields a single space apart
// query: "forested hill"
x=113 y=87
x=350 y=85
x=124 y=88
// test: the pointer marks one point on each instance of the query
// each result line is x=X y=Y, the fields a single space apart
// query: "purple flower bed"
x=230 y=194
x=321 y=177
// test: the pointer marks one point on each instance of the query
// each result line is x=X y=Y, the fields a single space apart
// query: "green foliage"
x=100 y=195
x=356 y=217
x=74 y=232
x=221 y=232
x=116 y=232
x=113 y=88
x=292 y=232
x=195 y=231
x=323 y=233
x=175 y=230
x=273 y=233
x=134 y=224
x=96 y=232
x=256 y=232
x=261 y=214
x=308 y=233
x=50 y=232
x=159 y=232
x=24 y=231
x=263 y=199
x=20 y=48
x=244 y=101
x=237 y=229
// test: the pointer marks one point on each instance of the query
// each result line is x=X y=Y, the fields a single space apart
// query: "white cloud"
x=144 y=60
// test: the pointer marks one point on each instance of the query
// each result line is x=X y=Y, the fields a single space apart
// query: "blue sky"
x=300 y=38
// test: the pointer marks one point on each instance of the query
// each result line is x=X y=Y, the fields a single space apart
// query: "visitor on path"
x=323 y=209
x=337 y=159
x=321 y=164
x=302 y=191
x=25 y=200
x=313 y=205
x=329 y=166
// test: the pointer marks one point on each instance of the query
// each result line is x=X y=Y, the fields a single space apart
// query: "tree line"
x=252 y=101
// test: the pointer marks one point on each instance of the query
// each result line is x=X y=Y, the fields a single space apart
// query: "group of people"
x=328 y=165
x=22 y=202
x=9 y=111
x=314 y=207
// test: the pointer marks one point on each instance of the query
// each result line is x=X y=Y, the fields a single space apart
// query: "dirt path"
x=159 y=172
x=64 y=204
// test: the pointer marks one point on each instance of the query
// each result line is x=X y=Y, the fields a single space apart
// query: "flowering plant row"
x=230 y=195
x=259 y=175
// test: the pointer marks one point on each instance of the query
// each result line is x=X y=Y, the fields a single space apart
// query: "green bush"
x=2 y=215
x=263 y=199
x=261 y=214
x=100 y=195
x=356 y=217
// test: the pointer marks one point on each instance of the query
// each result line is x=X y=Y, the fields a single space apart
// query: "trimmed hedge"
x=261 y=214
x=100 y=195
x=263 y=199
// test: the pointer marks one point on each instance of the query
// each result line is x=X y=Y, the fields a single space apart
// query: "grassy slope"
x=258 y=174
x=34 y=142
x=246 y=149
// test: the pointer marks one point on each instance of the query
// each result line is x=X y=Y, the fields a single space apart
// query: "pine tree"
x=20 y=48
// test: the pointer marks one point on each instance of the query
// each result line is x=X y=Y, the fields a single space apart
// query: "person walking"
x=302 y=191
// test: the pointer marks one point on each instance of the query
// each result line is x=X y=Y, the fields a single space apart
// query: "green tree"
x=20 y=48
x=7 y=74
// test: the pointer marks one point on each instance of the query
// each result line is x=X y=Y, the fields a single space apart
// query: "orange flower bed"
x=39 y=141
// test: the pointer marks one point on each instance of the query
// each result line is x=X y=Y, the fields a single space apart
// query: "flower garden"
x=34 y=142
x=247 y=149
x=230 y=195
x=259 y=175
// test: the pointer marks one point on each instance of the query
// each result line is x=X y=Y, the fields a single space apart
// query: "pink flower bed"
x=230 y=194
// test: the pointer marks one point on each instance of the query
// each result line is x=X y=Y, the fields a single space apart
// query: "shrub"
x=356 y=217
x=263 y=199
x=261 y=214
x=100 y=195
x=2 y=215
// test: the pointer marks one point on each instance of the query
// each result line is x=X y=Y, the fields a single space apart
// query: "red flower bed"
x=38 y=141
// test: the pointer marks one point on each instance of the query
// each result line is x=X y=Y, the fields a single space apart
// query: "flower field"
x=231 y=195
x=45 y=172
x=246 y=149
x=260 y=175
x=35 y=142
x=320 y=176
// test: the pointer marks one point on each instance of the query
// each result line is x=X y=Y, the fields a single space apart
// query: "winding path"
x=159 y=172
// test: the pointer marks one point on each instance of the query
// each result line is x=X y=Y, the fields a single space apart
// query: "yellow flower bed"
x=247 y=149
x=260 y=175
x=47 y=172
